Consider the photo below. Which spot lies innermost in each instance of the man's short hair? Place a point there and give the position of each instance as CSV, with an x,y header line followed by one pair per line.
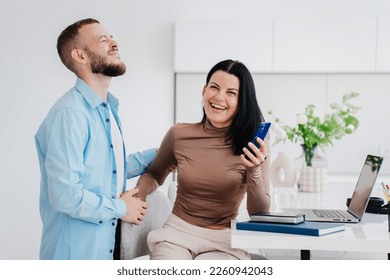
x,y
67,41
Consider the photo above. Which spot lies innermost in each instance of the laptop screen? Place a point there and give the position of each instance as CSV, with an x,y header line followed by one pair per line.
x,y
364,185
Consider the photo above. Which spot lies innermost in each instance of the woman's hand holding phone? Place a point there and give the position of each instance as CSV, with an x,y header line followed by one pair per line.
x,y
255,156
258,150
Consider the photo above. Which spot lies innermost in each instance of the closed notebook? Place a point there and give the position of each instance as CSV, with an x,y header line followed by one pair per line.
x,y
278,217
305,228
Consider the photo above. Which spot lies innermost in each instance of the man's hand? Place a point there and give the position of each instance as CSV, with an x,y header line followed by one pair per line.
x,y
136,208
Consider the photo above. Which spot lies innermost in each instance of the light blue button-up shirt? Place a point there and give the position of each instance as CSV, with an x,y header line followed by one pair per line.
x,y
79,204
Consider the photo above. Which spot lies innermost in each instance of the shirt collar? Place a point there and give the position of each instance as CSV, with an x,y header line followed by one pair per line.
x,y
91,97
112,100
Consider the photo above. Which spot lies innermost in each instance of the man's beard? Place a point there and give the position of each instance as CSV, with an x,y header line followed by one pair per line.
x,y
100,66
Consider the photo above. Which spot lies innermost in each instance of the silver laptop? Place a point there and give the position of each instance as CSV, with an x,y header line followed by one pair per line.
x,y
359,199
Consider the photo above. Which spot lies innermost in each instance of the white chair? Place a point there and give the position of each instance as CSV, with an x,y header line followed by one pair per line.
x,y
133,237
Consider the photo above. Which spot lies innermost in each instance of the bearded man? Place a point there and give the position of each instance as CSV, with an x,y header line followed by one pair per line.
x,y
82,155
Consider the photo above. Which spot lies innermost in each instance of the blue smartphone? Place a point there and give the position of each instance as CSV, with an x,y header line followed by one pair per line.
x,y
262,131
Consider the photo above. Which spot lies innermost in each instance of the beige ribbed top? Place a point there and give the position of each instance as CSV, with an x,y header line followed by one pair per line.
x,y
211,180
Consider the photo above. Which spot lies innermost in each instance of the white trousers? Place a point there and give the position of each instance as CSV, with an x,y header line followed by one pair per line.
x,y
179,240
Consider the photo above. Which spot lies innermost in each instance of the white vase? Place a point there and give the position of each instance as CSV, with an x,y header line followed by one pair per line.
x,y
283,171
312,179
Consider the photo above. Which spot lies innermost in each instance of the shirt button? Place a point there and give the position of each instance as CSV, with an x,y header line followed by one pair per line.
x,y
113,196
107,120
111,251
100,222
111,146
114,171
113,224
104,105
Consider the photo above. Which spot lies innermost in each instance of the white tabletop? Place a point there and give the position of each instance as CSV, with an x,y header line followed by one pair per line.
x,y
371,235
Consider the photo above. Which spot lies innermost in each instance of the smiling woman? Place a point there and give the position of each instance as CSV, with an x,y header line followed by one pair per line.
x,y
213,174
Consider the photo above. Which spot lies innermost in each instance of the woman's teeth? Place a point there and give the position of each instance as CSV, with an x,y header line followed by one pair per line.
x,y
217,106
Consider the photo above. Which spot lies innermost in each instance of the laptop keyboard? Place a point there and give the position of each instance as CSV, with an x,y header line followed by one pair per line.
x,y
330,213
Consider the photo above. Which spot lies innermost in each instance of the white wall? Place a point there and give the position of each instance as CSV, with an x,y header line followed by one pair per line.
x,y
32,78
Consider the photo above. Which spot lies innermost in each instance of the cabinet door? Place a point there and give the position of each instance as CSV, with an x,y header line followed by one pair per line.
x,y
325,45
347,154
188,97
199,44
383,57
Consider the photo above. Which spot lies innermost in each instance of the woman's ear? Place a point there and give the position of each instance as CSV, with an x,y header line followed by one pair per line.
x,y
204,90
79,56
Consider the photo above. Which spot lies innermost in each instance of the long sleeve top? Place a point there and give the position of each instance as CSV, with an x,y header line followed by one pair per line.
x,y
79,204
211,180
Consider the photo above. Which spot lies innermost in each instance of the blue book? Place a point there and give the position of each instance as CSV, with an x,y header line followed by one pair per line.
x,y
305,228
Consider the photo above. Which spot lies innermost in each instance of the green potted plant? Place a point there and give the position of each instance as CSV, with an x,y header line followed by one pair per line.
x,y
313,132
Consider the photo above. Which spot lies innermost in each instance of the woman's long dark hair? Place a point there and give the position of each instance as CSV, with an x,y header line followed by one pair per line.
x,y
249,115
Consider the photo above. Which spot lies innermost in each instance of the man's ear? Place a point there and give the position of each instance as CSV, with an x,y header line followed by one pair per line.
x,y
79,56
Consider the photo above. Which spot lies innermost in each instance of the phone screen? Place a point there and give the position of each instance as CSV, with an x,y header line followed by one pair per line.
x,y
262,131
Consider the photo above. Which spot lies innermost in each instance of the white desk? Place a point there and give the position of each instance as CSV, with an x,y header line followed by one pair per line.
x,y
370,235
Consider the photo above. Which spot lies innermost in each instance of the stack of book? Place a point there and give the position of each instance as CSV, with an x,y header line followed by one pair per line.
x,y
287,223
